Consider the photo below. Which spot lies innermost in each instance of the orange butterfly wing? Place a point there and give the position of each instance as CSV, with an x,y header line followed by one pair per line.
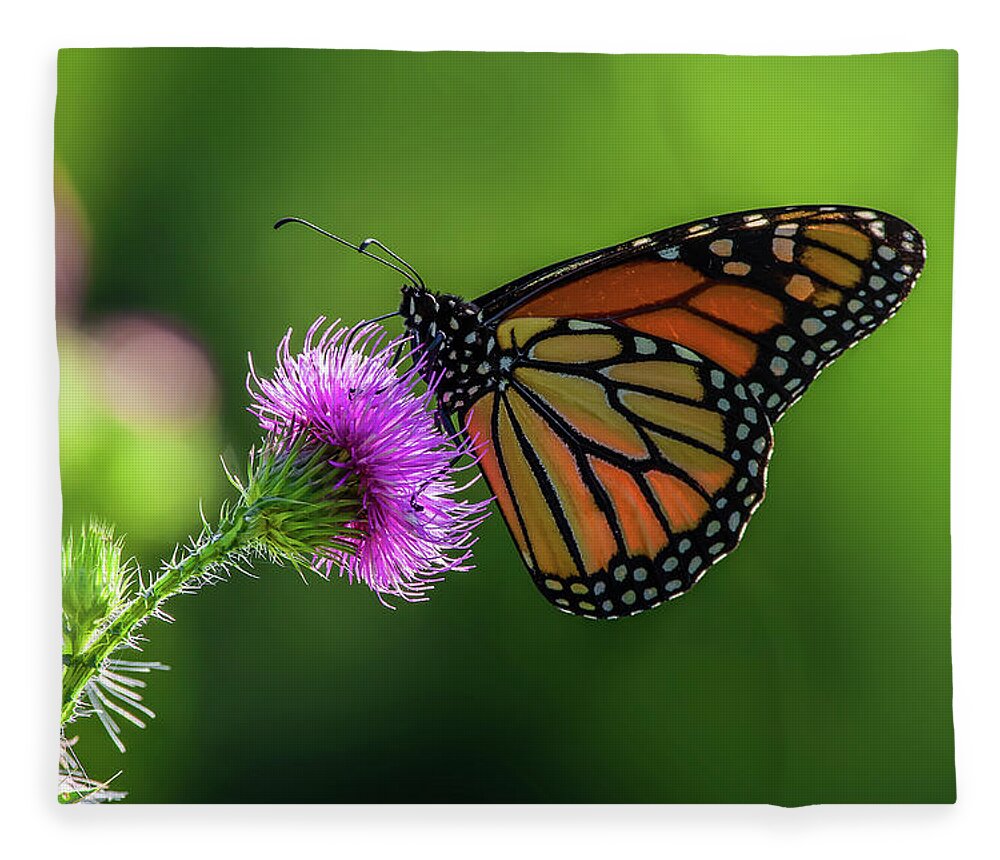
x,y
624,466
631,433
771,296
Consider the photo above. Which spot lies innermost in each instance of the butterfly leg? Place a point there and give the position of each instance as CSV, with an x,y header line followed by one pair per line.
x,y
445,422
398,353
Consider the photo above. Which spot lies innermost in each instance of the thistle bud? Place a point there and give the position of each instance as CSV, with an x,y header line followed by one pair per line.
x,y
95,583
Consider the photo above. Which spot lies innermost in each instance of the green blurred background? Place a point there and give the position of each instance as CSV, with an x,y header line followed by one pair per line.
x,y
811,665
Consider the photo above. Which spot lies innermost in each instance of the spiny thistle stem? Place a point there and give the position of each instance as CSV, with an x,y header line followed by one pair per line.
x,y
299,501
231,535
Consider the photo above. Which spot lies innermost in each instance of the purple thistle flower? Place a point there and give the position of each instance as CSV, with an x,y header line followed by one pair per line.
x,y
344,391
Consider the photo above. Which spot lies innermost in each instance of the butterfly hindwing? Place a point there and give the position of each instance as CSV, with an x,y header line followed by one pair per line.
x,y
771,296
624,465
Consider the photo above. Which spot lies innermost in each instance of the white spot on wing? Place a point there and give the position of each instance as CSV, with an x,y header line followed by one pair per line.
x,y
644,346
585,325
686,353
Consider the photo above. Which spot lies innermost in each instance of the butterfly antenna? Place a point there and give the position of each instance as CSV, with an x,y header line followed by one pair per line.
x,y
408,272
416,275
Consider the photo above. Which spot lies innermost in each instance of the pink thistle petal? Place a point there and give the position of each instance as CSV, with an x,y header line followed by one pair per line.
x,y
343,390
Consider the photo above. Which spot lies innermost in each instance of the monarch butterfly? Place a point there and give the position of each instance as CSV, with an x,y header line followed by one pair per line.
x,y
624,399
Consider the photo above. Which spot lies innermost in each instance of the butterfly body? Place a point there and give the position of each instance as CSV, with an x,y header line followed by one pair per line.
x,y
462,350
625,398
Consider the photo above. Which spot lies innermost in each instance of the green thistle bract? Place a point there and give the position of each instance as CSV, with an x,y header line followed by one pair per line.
x,y
95,583
297,502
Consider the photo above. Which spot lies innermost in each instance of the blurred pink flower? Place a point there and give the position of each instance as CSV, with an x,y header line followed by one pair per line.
x,y
154,373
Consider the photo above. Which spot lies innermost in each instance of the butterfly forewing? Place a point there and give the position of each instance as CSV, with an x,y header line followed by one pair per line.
x,y
771,296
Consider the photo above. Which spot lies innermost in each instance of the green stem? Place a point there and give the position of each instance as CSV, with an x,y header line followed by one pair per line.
x,y
295,503
233,534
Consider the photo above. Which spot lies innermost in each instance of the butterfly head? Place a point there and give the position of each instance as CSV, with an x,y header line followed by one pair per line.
x,y
457,344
